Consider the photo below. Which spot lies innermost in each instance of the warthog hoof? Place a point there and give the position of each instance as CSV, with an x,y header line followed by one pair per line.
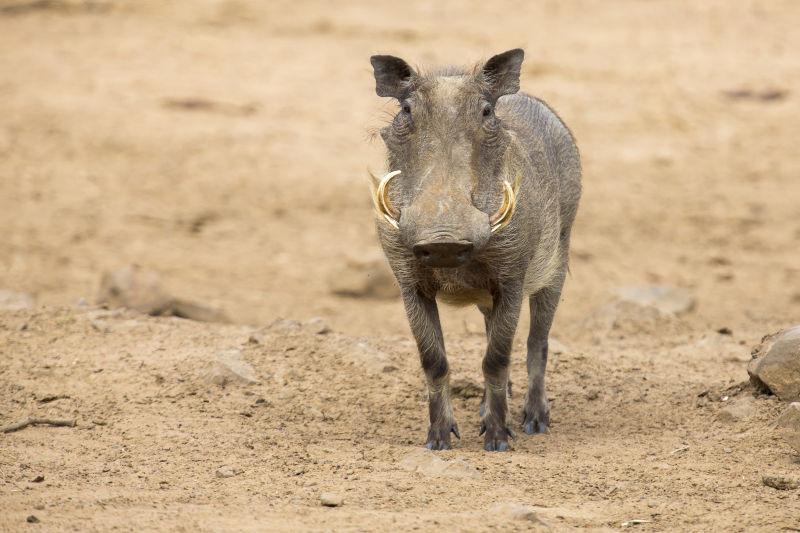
x,y
495,438
439,437
536,420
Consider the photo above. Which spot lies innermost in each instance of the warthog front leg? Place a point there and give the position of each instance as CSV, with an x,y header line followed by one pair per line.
x,y
536,412
501,324
423,316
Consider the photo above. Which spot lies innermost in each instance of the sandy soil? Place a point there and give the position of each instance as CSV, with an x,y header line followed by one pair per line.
x,y
223,144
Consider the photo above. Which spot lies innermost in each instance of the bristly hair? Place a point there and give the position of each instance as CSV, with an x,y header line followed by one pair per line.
x,y
452,70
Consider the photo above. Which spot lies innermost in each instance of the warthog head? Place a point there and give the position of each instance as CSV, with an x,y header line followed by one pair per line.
x,y
449,186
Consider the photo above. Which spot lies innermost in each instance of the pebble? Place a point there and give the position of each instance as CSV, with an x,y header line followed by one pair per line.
x,y
788,425
780,482
427,462
368,277
330,499
15,301
229,367
516,511
227,471
739,409
665,298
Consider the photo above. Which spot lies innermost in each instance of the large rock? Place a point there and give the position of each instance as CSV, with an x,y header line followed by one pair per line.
x,y
788,425
775,366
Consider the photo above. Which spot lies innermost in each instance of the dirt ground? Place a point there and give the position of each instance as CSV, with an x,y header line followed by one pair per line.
x,y
224,144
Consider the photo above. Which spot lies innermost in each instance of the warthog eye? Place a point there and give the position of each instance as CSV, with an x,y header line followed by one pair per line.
x,y
406,108
487,110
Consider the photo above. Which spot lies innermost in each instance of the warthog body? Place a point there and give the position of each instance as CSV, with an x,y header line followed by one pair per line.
x,y
479,213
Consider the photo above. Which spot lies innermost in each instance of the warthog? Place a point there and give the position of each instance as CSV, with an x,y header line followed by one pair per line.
x,y
477,208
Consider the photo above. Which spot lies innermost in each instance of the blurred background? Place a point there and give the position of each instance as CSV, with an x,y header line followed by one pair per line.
x,y
223,145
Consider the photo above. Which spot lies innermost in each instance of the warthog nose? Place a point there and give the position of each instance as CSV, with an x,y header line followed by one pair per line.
x,y
443,254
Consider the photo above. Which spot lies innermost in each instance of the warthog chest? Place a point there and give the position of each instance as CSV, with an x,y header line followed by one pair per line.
x,y
456,288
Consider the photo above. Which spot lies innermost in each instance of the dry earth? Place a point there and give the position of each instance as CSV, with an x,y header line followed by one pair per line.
x,y
223,144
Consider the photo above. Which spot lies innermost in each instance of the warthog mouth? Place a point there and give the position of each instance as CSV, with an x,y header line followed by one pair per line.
x,y
497,221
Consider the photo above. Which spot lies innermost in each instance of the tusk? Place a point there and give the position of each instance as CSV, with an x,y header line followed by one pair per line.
x,y
503,215
382,203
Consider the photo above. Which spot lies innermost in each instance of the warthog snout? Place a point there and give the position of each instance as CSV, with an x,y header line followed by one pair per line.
x,y
443,254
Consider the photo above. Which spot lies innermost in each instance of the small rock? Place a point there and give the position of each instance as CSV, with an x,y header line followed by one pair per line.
x,y
32,519
15,301
667,299
312,413
317,325
516,511
229,367
426,462
788,425
135,288
283,325
37,479
140,289
256,338
330,499
775,366
739,409
364,278
227,471
466,388
780,482
556,347
372,359
622,318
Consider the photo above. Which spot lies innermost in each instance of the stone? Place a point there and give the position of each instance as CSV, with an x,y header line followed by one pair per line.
x,y
775,366
373,360
781,483
788,426
331,499
227,471
368,277
317,325
738,409
15,301
141,289
135,288
665,298
516,511
426,462
229,367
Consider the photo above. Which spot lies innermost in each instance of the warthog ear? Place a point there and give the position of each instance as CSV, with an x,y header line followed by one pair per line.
x,y
501,72
392,76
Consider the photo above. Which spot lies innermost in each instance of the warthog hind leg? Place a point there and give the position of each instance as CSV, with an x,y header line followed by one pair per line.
x,y
536,410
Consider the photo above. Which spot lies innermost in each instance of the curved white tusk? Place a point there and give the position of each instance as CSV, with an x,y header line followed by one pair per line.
x,y
503,215
382,200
